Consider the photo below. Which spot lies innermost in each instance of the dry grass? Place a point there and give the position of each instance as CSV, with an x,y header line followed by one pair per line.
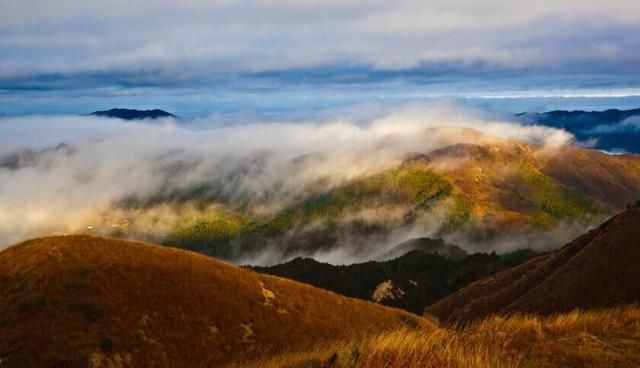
x,y
67,301
605,338
598,269
81,301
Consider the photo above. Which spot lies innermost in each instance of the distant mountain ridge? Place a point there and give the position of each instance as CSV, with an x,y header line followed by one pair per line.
x,y
132,114
579,119
612,129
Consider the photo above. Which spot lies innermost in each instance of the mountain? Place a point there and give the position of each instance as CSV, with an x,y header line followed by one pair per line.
x,y
598,269
609,180
78,301
411,282
613,130
479,193
131,114
483,193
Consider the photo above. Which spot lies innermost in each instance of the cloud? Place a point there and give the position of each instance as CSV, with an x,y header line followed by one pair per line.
x,y
190,40
628,125
267,165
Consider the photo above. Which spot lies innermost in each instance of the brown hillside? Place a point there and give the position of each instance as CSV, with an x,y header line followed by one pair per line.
x,y
612,180
492,170
72,301
598,269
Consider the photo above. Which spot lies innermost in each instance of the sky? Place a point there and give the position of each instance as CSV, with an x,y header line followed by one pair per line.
x,y
200,58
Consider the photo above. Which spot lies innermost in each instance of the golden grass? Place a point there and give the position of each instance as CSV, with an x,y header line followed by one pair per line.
x,y
69,300
603,338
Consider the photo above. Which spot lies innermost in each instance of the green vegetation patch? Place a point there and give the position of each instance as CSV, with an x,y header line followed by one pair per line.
x,y
553,200
212,233
413,186
542,200
458,213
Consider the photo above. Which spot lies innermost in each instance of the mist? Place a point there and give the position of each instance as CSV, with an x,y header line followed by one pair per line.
x,y
256,167
351,248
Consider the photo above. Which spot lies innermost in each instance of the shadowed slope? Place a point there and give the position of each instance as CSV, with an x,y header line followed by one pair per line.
x,y
598,269
77,299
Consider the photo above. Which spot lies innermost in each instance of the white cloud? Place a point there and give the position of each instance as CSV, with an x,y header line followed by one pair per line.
x,y
113,160
75,35
631,124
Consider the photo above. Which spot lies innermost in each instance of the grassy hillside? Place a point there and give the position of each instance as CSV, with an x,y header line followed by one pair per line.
x,y
365,207
211,233
598,339
500,187
369,206
481,191
79,301
485,191
598,269
611,180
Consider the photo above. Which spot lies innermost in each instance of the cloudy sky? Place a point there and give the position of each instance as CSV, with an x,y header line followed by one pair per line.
x,y
126,49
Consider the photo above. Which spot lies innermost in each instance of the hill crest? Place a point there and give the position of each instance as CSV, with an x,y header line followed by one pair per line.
x,y
69,300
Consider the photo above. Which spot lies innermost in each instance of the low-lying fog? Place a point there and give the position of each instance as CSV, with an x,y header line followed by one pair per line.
x,y
59,172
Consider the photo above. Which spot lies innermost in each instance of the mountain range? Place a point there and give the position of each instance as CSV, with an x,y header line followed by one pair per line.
x,y
478,191
483,192
611,130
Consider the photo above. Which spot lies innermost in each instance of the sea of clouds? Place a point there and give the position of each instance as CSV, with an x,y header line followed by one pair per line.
x,y
58,172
